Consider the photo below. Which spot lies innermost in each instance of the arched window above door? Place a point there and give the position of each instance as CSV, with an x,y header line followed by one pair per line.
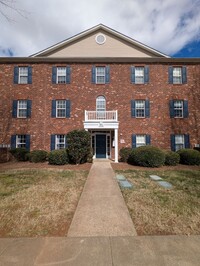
x,y
101,104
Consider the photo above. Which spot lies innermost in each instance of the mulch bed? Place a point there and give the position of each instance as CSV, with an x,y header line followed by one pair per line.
x,y
28,165
125,166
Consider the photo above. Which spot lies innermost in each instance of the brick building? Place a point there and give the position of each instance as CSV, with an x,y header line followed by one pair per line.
x,y
123,92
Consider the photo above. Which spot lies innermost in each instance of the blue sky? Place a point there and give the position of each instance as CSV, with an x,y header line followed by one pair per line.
x,y
171,27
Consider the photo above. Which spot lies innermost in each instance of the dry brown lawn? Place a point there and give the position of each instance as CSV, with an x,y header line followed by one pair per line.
x,y
159,211
38,202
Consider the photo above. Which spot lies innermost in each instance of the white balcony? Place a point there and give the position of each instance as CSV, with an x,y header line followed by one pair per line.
x,y
104,116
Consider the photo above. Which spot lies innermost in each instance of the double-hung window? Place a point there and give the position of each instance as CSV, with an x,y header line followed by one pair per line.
x,y
23,75
60,142
139,75
100,74
140,108
179,109
61,108
20,141
61,75
180,141
140,140
177,75
22,109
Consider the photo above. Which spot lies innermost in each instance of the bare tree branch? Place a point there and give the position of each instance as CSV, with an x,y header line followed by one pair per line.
x,y
7,5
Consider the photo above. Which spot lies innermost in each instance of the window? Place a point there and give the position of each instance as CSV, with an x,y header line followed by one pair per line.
x,y
61,75
61,108
20,141
178,108
23,75
180,141
100,74
140,74
22,108
101,107
140,140
140,108
58,142
177,75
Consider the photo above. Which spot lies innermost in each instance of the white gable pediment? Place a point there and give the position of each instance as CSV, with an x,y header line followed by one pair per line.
x,y
100,41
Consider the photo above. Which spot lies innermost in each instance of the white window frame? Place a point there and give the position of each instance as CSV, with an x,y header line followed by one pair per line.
x,y
100,73
140,143
101,107
139,75
179,142
60,139
177,75
21,106
58,102
23,75
20,141
178,108
61,72
139,108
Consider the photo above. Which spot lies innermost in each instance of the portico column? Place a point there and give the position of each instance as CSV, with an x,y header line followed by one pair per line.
x,y
116,145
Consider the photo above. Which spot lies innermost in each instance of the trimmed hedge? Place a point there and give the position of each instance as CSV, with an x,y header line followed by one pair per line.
x,y
20,154
189,157
147,156
124,154
79,142
37,156
172,158
58,157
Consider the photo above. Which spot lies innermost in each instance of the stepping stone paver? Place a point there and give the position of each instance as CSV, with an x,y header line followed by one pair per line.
x,y
165,184
125,184
155,177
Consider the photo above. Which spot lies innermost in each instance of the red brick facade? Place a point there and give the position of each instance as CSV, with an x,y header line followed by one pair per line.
x,y
82,93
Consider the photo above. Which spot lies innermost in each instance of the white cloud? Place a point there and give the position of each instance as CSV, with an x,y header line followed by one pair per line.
x,y
165,25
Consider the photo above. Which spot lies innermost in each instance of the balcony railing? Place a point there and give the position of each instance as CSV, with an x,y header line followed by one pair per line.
x,y
101,116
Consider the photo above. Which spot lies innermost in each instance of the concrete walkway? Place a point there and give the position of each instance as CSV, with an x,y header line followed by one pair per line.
x,y
101,210
101,251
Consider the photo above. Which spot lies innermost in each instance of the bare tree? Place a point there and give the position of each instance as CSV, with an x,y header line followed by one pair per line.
x,y
10,5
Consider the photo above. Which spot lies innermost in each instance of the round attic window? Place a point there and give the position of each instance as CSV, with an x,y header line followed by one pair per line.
x,y
100,38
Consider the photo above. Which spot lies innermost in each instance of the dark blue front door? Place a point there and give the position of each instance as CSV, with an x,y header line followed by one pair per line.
x,y
100,146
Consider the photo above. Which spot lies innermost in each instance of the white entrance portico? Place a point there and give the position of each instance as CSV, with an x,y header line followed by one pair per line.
x,y
103,126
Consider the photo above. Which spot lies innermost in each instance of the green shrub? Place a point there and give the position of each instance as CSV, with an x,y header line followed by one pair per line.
x,y
58,157
147,156
189,156
172,158
124,154
37,156
20,154
79,146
